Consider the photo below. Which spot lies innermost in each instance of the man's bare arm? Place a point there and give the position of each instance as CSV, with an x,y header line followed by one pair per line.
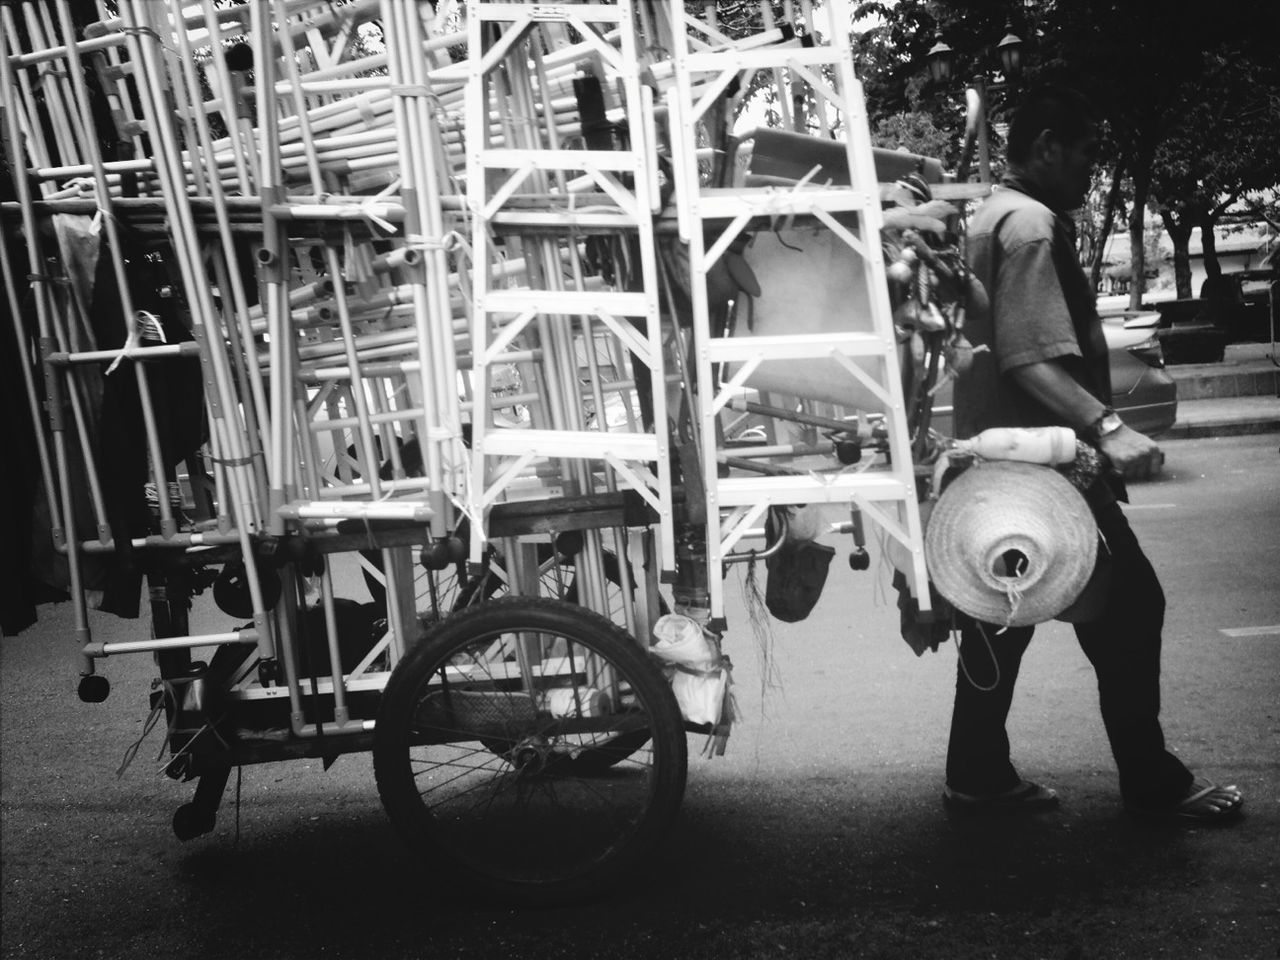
x,y
1133,454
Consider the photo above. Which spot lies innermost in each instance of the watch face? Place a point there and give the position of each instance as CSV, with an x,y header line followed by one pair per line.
x,y
1110,424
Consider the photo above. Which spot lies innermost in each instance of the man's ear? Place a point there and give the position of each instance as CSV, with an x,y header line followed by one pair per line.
x,y
1045,145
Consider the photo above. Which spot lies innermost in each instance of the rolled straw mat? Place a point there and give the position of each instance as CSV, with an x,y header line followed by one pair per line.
x,y
1010,543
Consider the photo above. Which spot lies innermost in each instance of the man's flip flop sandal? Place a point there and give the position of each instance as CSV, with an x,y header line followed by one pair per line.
x,y
1025,796
1205,802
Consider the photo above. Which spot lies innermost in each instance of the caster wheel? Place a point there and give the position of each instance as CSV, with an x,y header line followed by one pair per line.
x,y
268,672
94,688
860,560
189,822
848,452
569,543
436,555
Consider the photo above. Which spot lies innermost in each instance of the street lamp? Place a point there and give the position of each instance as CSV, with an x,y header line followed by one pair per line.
x,y
940,59
1010,50
941,62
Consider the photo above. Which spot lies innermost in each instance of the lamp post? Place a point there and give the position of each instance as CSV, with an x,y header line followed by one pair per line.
x,y
941,62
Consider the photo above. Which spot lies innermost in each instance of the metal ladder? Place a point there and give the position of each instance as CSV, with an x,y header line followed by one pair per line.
x,y
705,63
538,187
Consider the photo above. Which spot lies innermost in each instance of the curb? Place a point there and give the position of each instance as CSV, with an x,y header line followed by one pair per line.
x,y
1223,428
1227,382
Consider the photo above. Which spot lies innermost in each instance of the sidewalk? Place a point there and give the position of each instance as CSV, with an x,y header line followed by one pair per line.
x,y
1239,395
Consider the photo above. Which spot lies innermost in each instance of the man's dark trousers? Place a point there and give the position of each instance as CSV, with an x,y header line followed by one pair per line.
x,y
1123,644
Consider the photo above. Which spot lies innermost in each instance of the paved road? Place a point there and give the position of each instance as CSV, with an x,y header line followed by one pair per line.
x,y
819,834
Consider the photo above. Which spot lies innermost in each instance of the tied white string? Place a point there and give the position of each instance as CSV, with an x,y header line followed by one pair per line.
x,y
828,479
142,325
447,242
86,188
1014,594
779,201
368,207
466,507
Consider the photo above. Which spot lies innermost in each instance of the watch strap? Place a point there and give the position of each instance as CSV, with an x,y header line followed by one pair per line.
x,y
1100,427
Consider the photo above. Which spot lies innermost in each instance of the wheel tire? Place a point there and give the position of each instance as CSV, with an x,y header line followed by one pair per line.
x,y
548,830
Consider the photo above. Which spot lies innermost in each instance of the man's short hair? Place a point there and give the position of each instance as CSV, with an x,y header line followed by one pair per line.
x,y
1061,110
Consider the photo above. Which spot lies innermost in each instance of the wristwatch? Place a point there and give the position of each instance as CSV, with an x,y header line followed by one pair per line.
x,y
1107,422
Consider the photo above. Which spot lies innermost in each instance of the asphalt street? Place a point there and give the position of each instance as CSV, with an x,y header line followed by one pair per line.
x,y
819,834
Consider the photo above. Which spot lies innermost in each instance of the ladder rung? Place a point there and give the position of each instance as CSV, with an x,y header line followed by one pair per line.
x,y
613,302
510,12
838,488
576,444
798,347
762,58
414,510
514,159
564,220
725,202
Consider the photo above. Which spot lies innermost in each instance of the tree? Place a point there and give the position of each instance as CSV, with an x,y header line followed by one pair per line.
x,y
1139,63
914,132
1223,152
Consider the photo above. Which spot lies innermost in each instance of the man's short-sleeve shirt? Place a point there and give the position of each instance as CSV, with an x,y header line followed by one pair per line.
x,y
1042,307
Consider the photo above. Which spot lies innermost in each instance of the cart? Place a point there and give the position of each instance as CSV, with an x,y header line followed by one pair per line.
x,y
448,299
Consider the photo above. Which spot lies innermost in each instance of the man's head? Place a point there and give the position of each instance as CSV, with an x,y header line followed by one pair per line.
x,y
1052,141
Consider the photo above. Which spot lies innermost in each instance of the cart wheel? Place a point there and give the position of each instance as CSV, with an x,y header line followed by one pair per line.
x,y
477,736
189,822
93,688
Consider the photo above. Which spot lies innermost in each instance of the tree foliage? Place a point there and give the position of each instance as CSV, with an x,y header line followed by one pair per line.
x,y
1218,157
914,132
1188,106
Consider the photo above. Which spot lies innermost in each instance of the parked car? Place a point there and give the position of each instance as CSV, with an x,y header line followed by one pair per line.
x,y
1192,330
1143,392
1245,297
1232,307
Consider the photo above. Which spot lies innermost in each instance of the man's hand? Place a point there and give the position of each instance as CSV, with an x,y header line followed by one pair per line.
x,y
1133,455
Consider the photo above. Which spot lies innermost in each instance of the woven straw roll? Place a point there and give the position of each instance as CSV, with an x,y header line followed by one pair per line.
x,y
1000,506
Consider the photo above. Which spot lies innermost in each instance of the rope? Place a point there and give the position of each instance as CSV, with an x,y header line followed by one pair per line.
x,y
990,652
235,461
761,629
132,750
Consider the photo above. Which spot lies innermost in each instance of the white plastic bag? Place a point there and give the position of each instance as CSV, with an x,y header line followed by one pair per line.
x,y
698,677
680,640
700,695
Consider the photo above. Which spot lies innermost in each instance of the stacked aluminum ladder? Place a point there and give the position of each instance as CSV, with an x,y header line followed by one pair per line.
x,y
589,349
711,218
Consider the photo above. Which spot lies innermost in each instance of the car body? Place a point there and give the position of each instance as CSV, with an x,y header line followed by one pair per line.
x,y
1232,307
1192,330
1248,301
1142,391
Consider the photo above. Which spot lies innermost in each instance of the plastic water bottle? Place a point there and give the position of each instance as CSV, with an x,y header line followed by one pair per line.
x,y
574,702
1047,445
